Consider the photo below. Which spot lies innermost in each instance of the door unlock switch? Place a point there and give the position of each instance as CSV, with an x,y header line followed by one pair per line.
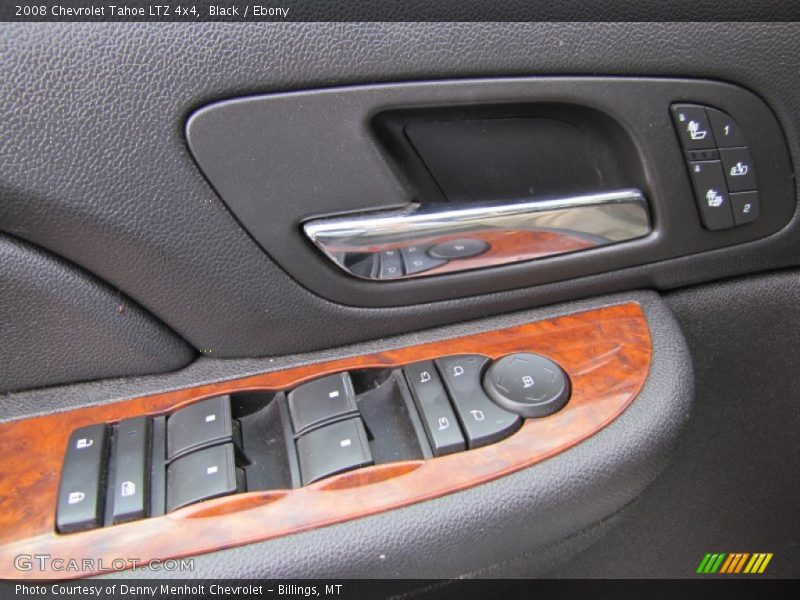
x,y
80,498
199,425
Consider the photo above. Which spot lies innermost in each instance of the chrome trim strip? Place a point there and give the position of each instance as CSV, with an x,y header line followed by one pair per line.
x,y
362,245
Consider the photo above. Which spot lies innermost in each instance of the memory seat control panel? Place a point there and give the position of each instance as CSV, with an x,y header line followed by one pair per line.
x,y
257,440
720,166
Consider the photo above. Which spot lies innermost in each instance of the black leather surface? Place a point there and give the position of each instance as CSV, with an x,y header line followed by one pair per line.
x,y
732,485
59,325
95,167
475,531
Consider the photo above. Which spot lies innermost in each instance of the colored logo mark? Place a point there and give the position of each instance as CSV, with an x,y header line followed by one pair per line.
x,y
734,562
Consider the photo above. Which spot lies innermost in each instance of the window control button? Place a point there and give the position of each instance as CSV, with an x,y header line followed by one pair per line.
x,y
484,422
693,126
745,207
199,425
739,172
320,400
201,475
726,131
438,418
80,495
131,469
711,194
333,449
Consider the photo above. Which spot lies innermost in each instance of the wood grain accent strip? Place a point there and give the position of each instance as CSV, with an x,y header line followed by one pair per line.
x,y
606,353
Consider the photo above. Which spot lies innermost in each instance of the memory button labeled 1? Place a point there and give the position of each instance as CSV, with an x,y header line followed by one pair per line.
x,y
441,424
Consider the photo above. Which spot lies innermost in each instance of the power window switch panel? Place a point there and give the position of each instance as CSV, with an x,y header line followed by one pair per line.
x,y
438,417
131,469
711,194
333,449
199,425
80,495
320,400
201,475
484,422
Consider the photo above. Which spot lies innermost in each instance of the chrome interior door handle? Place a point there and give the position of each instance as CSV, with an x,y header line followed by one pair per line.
x,y
427,240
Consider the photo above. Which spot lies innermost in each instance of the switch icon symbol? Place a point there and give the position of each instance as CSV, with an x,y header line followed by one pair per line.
x,y
211,418
128,488
75,497
444,423
83,443
424,377
527,381
458,370
477,415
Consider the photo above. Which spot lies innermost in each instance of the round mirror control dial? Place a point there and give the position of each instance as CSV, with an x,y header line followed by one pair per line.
x,y
527,384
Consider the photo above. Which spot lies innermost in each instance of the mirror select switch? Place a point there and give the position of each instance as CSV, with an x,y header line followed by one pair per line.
x,y
199,425
333,449
484,422
80,494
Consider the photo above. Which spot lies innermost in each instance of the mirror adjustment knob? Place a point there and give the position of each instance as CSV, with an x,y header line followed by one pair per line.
x,y
527,384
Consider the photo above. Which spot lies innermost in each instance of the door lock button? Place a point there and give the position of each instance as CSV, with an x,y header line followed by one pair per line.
x,y
80,493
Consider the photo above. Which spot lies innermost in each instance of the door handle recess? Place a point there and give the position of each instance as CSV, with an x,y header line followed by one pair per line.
x,y
424,240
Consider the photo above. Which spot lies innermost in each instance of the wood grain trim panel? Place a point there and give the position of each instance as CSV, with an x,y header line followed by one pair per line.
x,y
606,353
